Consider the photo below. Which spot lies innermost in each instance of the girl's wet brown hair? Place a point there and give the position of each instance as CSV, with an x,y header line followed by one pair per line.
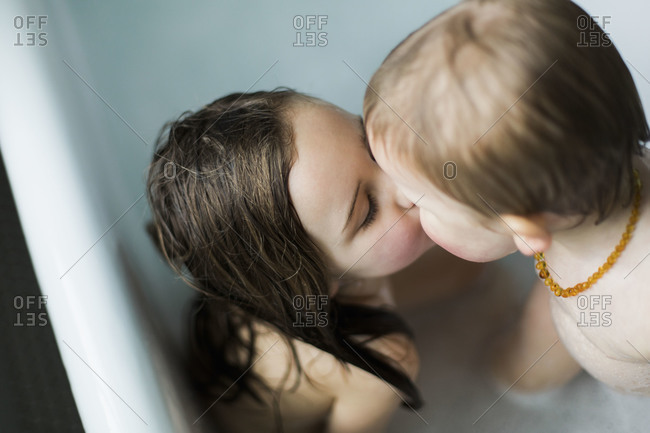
x,y
224,221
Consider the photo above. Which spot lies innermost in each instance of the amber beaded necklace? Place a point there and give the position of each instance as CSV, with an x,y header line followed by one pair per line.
x,y
581,287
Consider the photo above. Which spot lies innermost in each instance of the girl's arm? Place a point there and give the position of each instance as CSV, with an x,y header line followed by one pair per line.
x,y
361,401
364,402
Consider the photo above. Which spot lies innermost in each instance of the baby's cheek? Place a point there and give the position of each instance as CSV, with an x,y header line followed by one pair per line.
x,y
426,220
433,229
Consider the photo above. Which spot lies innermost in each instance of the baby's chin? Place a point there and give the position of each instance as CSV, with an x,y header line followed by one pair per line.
x,y
476,255
468,252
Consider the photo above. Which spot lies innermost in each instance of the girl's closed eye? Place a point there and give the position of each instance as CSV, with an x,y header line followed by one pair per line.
x,y
373,208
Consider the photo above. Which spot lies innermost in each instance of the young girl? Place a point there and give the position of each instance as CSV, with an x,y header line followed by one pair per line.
x,y
271,206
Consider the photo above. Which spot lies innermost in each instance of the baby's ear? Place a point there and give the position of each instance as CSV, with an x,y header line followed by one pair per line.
x,y
531,233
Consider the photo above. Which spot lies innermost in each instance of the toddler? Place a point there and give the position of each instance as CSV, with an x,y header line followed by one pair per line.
x,y
512,127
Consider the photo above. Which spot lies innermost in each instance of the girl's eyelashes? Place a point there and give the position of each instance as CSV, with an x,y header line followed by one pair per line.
x,y
372,212
367,144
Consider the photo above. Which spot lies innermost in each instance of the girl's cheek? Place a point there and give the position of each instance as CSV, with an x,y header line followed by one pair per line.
x,y
400,246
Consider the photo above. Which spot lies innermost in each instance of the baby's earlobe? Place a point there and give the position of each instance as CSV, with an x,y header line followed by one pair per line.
x,y
530,233
529,246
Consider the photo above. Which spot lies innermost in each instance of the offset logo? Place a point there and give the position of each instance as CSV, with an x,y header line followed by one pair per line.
x,y
593,311
30,310
590,35
449,170
309,30
311,310
30,30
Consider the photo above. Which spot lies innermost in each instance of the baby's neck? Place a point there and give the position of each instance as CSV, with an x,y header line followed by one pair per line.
x,y
576,253
589,238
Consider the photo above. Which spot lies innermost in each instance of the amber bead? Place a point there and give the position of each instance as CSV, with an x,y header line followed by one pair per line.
x,y
611,259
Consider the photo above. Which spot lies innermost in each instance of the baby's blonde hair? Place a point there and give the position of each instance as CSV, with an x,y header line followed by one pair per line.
x,y
527,101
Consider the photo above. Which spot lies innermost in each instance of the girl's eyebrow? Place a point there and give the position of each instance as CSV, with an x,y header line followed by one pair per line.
x,y
352,205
